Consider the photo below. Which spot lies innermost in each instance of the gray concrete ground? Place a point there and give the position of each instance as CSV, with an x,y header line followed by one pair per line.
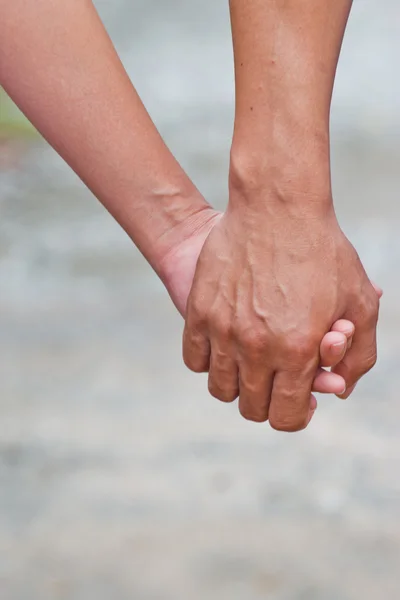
x,y
119,477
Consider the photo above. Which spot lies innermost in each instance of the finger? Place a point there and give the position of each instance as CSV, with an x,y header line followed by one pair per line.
x,y
196,350
347,393
363,354
344,327
290,400
255,385
329,383
223,377
333,348
378,289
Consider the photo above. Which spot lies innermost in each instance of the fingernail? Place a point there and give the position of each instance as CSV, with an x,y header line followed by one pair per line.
x,y
338,348
349,343
345,394
349,391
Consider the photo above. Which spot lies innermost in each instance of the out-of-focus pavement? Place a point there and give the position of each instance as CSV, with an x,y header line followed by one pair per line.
x,y
119,477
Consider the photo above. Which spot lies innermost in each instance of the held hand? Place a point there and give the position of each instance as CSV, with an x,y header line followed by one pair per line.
x,y
264,295
178,271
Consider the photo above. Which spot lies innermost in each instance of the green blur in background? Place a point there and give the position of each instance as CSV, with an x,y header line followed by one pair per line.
x,y
12,121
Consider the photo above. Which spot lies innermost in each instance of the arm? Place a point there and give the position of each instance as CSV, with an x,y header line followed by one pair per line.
x,y
277,271
286,53
59,65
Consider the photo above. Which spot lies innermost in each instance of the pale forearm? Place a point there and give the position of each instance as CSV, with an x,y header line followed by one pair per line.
x,y
286,53
59,65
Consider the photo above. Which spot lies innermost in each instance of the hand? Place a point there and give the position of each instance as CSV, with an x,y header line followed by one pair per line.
x,y
266,291
178,269
343,365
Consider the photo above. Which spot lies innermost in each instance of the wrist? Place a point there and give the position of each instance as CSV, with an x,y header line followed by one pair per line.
x,y
184,216
280,175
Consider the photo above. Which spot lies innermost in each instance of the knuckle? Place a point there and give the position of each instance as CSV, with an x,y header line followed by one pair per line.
x,y
250,415
289,413
196,309
302,347
222,326
253,340
200,319
287,425
196,364
226,395
195,367
370,362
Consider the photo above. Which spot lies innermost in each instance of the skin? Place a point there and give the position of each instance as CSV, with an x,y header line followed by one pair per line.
x,y
59,66
277,272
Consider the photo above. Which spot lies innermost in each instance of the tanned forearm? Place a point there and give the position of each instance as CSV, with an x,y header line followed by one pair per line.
x,y
277,271
59,65
286,54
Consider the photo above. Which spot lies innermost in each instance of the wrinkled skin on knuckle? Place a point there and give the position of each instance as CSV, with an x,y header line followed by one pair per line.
x,y
287,425
195,364
286,414
221,383
250,415
226,395
221,326
196,308
251,391
198,316
253,341
301,351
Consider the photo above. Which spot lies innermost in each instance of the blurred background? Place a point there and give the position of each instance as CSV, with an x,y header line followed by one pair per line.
x,y
119,476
